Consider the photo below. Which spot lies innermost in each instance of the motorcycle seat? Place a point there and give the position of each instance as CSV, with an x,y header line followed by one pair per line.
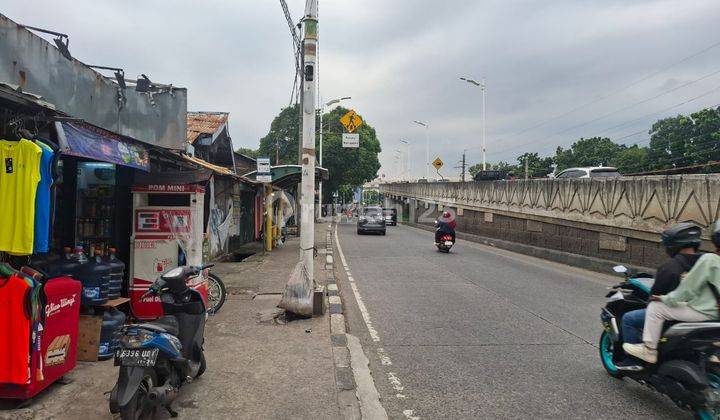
x,y
676,328
168,324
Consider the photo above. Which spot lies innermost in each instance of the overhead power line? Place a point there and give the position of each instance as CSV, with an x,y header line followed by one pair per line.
x,y
614,92
625,123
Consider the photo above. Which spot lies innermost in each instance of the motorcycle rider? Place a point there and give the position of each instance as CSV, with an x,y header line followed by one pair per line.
x,y
445,226
681,242
693,301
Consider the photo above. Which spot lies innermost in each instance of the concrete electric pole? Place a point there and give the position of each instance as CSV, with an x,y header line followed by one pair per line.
x,y
309,70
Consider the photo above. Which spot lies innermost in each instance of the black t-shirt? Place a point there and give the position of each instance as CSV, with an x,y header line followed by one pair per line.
x,y
668,275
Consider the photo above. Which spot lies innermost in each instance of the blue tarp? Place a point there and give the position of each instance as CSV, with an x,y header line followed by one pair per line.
x,y
90,142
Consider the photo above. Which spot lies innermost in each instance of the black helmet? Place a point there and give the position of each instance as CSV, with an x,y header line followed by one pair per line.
x,y
715,233
679,236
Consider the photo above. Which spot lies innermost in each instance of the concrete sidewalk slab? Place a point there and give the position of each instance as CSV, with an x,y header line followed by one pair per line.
x,y
257,368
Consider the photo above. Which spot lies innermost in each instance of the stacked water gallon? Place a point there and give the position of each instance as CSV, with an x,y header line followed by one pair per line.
x,y
112,320
117,271
94,275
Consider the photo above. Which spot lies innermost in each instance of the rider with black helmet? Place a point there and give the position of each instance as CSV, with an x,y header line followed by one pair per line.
x,y
681,242
695,300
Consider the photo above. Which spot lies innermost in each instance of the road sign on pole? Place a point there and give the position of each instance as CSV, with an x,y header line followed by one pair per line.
x,y
437,163
351,121
351,140
264,174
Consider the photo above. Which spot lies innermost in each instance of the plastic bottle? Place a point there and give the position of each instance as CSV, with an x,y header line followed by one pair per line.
x,y
112,320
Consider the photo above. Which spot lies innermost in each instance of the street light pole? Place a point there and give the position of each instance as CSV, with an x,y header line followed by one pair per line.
x,y
480,84
322,111
407,166
427,147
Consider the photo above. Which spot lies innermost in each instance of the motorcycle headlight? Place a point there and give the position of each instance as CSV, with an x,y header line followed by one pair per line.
x,y
136,339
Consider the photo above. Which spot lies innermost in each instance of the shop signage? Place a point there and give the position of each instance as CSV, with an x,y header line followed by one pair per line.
x,y
90,142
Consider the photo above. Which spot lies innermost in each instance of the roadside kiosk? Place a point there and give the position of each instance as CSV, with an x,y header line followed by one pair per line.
x,y
167,232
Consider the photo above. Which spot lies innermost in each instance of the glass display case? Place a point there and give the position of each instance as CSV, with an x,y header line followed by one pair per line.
x,y
95,208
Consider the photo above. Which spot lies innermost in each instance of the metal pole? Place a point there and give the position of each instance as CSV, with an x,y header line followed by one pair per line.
x,y
483,124
307,222
320,198
427,152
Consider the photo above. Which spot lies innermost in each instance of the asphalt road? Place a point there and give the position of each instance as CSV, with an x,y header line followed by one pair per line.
x,y
481,332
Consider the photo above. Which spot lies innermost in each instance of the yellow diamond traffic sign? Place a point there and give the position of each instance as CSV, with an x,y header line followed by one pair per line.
x,y
437,163
351,121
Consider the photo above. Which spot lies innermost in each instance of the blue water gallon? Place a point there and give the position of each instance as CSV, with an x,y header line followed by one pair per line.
x,y
117,272
94,275
112,320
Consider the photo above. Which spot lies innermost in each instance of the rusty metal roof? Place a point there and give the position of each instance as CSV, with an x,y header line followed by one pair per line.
x,y
199,123
220,170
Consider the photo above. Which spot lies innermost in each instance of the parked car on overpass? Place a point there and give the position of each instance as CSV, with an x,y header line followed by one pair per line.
x,y
589,172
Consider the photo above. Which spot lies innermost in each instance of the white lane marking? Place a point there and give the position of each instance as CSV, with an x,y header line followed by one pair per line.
x,y
410,415
365,314
384,358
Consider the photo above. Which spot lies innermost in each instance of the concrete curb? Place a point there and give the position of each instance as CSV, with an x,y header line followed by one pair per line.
x,y
575,260
344,376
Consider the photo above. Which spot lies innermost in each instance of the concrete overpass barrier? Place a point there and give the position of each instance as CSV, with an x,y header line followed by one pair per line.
x,y
615,219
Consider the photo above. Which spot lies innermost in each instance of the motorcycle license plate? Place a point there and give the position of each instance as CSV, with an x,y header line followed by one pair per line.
x,y
448,243
136,357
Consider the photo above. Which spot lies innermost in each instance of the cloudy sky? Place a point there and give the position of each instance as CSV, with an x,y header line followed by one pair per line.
x,y
618,65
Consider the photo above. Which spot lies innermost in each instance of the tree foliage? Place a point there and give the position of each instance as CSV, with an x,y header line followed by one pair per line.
x,y
348,168
283,134
675,142
247,152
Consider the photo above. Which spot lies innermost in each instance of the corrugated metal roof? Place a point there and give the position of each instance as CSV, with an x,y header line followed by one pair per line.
x,y
199,123
220,170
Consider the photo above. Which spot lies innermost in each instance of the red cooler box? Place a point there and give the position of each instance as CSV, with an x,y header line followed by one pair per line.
x,y
58,345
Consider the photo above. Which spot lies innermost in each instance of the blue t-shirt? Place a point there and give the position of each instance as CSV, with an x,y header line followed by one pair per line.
x,y
42,201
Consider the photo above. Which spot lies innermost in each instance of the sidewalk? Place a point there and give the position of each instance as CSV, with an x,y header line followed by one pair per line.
x,y
257,368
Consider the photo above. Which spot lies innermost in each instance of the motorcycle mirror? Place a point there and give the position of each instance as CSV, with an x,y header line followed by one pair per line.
x,y
620,269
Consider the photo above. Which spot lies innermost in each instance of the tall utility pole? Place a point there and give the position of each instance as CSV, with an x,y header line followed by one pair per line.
x,y
309,70
481,84
427,147
463,165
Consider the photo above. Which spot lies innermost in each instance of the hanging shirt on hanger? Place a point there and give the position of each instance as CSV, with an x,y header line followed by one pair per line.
x,y
19,177
14,330
42,200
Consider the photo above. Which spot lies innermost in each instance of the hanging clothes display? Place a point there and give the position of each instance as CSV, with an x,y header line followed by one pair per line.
x,y
43,200
19,178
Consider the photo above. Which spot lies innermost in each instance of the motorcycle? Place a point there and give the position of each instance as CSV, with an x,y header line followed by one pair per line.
x,y
686,371
444,242
156,358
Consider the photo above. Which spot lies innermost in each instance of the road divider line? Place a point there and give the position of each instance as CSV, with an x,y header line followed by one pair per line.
x,y
395,382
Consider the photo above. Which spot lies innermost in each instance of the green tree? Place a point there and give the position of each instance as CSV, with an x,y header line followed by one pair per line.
x,y
669,141
283,134
704,146
631,160
537,167
247,152
499,166
348,167
593,151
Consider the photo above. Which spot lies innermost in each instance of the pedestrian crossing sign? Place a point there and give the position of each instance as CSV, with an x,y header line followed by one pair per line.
x,y
437,163
351,121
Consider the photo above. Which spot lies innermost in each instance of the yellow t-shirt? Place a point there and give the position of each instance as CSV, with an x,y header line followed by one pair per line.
x,y
19,176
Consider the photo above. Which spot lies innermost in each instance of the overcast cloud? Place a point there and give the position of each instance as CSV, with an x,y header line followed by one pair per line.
x,y
400,61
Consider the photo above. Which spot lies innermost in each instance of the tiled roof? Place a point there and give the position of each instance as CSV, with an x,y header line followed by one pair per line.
x,y
199,123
